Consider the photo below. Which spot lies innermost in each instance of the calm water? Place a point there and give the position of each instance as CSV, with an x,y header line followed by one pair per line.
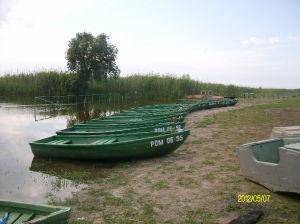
x,y
24,177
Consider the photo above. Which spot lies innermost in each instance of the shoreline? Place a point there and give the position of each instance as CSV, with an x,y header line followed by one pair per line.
x,y
199,182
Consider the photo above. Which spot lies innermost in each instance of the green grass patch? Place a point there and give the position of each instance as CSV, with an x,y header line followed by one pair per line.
x,y
161,185
207,162
209,176
99,192
205,123
185,181
233,169
57,201
148,209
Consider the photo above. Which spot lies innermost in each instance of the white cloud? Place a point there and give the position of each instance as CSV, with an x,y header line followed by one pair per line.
x,y
29,36
294,38
254,40
203,47
272,40
180,59
45,11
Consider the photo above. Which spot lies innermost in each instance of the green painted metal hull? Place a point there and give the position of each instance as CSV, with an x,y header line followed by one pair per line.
x,y
135,145
133,121
148,114
182,107
118,129
26,213
143,116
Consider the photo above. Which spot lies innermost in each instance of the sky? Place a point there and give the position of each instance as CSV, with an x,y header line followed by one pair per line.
x,y
252,43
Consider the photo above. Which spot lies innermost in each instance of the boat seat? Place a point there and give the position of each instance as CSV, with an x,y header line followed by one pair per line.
x,y
293,146
104,141
59,142
24,217
136,119
291,140
19,218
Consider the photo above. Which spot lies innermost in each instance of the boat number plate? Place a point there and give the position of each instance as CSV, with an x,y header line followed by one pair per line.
x,y
170,140
167,129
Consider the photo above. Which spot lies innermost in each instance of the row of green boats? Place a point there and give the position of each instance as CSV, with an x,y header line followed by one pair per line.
x,y
136,133
142,132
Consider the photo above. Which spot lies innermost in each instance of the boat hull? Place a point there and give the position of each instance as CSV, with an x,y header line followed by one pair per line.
x,y
159,145
273,163
92,130
145,117
132,122
26,213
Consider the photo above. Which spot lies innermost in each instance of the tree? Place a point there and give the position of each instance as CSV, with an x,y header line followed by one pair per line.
x,y
92,57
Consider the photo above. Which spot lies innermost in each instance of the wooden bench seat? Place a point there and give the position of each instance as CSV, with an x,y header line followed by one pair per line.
x,y
24,217
104,141
59,142
18,218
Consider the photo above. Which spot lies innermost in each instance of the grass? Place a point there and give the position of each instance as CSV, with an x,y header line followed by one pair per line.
x,y
201,141
209,176
57,201
206,122
160,185
185,181
118,199
207,162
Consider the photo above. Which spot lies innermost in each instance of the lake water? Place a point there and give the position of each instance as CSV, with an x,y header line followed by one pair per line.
x,y
24,177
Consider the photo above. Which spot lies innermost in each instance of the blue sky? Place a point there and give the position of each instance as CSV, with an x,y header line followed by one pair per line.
x,y
247,43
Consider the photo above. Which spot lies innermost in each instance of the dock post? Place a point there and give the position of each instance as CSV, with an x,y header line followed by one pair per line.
x,y
35,108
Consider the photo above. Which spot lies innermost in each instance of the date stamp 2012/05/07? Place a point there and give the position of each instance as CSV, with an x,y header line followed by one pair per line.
x,y
253,198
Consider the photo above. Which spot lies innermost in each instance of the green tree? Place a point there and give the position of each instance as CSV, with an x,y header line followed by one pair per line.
x,y
92,58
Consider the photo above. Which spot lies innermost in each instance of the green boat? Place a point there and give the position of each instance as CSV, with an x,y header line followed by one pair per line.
x,y
26,213
144,116
116,146
116,125
133,121
118,129
164,107
131,113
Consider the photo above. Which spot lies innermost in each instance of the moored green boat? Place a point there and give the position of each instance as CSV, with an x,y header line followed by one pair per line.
x,y
134,121
149,114
116,146
118,129
27,213
144,116
182,107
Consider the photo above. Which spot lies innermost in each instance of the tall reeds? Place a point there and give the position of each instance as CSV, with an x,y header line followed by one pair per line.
x,y
148,86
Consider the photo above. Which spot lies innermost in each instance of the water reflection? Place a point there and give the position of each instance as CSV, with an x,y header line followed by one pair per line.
x,y
75,170
28,178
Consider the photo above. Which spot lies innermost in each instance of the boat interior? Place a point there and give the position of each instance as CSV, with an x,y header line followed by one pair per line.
x,y
268,150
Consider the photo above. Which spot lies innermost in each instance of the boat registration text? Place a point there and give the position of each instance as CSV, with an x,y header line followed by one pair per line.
x,y
170,140
168,128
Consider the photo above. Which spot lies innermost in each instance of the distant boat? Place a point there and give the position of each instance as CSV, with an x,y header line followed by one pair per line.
x,y
132,122
273,163
284,131
118,129
27,213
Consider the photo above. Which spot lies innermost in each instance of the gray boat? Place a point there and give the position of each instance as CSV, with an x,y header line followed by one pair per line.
x,y
273,163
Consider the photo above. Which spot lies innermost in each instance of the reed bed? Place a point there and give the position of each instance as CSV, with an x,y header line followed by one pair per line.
x,y
145,86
